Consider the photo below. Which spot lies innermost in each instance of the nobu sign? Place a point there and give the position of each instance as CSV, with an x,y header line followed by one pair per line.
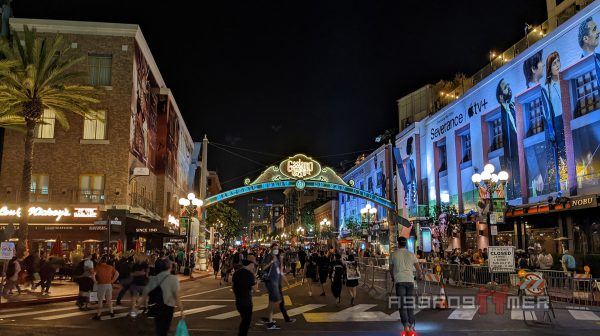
x,y
584,202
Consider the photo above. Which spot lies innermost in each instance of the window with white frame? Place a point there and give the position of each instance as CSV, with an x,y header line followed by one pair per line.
x,y
91,188
534,122
465,140
586,93
45,129
39,184
100,69
495,130
94,126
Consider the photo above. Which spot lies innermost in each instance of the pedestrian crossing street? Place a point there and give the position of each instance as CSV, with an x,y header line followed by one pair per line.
x,y
312,313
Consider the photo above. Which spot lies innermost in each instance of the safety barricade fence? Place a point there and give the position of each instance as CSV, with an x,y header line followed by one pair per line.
x,y
565,290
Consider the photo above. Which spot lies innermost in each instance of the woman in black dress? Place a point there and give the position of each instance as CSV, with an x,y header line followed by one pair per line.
x,y
310,271
338,275
352,276
323,270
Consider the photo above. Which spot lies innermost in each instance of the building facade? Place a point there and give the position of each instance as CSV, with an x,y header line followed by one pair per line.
x,y
374,173
88,170
537,118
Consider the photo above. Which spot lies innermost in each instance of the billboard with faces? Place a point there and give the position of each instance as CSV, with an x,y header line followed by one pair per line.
x,y
532,83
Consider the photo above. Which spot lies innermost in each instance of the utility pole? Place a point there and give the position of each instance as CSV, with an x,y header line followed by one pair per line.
x,y
202,217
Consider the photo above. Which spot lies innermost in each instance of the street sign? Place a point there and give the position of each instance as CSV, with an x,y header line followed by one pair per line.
x,y
493,218
141,171
115,222
500,217
100,222
501,258
494,230
7,250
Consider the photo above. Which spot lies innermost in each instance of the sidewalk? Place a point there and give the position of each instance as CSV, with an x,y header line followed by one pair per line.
x,y
65,290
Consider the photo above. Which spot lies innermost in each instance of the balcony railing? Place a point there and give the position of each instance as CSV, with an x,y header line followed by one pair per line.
x,y
90,196
39,196
138,200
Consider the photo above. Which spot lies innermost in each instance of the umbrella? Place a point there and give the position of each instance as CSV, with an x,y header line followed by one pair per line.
x,y
561,238
57,247
119,246
91,241
137,246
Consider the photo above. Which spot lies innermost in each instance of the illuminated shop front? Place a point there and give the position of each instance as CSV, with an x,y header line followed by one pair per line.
x,y
538,118
74,226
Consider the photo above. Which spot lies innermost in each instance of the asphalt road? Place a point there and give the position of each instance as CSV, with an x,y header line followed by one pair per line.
x,y
210,310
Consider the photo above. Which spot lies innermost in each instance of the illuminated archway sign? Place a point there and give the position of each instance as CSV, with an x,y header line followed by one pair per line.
x,y
302,172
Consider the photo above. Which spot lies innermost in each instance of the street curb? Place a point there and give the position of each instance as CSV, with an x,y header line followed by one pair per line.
x,y
19,304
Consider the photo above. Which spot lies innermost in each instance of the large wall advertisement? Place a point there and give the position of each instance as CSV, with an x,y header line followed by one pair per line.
x,y
521,109
144,112
158,137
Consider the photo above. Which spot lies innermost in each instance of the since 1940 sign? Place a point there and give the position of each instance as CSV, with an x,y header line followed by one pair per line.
x,y
501,258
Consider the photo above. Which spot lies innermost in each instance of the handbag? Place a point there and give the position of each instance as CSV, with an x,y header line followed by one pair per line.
x,y
93,297
266,276
182,329
22,277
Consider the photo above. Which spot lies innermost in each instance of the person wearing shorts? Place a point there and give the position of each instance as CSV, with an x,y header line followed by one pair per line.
x,y
139,274
106,275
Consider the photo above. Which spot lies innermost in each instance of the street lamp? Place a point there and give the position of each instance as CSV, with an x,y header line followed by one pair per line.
x,y
489,183
190,206
368,211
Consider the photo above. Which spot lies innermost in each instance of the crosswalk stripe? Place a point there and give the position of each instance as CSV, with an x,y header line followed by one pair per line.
x,y
79,313
300,310
463,313
517,314
15,309
347,313
260,303
198,310
584,315
176,314
36,312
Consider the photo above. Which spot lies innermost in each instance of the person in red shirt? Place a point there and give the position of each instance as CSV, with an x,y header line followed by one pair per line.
x,y
106,275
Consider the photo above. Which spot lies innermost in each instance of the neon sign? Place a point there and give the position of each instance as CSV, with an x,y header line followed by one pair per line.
x,y
49,212
300,166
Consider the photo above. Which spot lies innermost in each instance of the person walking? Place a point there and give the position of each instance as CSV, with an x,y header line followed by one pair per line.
x,y
216,263
274,273
106,275
352,276
47,270
12,276
243,281
337,274
310,272
124,269
139,278
171,297
402,263
323,270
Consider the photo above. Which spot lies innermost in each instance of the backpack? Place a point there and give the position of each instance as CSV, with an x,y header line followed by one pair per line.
x,y
10,271
155,300
79,268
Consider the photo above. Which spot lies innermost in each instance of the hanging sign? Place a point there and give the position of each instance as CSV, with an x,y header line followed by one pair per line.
x,y
7,250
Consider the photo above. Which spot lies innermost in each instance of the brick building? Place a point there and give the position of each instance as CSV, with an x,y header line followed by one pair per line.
x,y
88,170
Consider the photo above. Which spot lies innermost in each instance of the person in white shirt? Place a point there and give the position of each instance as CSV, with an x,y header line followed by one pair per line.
x,y
402,263
545,260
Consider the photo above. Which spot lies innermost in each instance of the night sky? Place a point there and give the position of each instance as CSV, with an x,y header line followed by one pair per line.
x,y
319,77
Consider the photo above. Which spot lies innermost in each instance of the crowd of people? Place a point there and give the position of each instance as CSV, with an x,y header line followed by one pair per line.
x,y
248,267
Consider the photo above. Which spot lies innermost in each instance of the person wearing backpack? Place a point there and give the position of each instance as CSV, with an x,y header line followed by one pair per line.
x,y
12,275
163,296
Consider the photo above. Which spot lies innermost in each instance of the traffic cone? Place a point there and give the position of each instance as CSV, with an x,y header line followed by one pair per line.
x,y
444,303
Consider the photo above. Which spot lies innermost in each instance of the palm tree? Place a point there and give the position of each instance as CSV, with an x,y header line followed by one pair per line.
x,y
40,79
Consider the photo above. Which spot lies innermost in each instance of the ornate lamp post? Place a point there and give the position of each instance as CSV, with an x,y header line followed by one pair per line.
x,y
368,211
191,207
489,183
